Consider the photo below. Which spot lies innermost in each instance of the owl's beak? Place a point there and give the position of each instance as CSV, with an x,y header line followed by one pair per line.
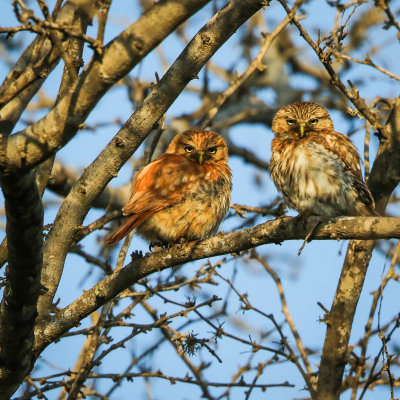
x,y
302,129
200,155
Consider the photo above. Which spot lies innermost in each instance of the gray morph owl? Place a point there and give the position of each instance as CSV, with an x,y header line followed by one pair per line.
x,y
315,168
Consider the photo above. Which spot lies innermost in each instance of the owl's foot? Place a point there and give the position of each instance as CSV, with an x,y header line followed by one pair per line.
x,y
137,254
302,218
157,246
280,211
180,242
307,239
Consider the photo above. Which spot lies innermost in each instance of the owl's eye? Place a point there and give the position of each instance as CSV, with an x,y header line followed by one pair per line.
x,y
189,149
290,121
212,150
314,121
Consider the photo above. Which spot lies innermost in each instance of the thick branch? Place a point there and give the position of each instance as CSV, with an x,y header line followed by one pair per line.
x,y
62,179
93,181
24,212
385,173
275,231
42,139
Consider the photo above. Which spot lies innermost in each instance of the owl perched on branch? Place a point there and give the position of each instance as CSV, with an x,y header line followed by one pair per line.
x,y
317,169
184,194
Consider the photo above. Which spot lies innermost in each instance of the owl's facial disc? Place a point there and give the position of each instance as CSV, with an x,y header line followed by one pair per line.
x,y
301,119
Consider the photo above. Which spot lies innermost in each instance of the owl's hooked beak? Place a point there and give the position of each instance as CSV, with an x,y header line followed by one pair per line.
x,y
200,155
302,125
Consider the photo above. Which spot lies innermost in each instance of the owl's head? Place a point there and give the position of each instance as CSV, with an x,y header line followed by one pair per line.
x,y
301,118
203,147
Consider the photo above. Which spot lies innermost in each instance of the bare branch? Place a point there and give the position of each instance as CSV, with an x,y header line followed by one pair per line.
x,y
270,232
62,179
28,74
325,58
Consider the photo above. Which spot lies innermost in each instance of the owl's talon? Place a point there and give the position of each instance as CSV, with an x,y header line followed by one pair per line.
x,y
280,211
307,239
137,254
302,218
153,245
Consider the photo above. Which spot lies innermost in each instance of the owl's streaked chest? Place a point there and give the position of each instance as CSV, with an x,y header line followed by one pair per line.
x,y
309,176
305,161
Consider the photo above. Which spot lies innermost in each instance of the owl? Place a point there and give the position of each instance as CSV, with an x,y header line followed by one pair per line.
x,y
184,194
317,169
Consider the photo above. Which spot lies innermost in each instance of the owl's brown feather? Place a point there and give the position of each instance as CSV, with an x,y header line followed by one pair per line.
x,y
181,194
317,169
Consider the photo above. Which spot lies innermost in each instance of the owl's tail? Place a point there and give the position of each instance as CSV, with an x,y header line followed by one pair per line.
x,y
127,226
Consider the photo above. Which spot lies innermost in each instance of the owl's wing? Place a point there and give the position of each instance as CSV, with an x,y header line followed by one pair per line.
x,y
162,183
342,146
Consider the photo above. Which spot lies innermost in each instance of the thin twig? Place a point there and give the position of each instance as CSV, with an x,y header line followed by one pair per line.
x,y
256,65
367,61
287,314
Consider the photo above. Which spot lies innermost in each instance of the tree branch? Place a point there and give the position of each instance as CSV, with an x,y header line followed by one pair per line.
x,y
24,212
325,58
256,65
275,231
62,179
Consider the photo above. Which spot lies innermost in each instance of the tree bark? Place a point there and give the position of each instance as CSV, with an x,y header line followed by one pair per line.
x,y
24,212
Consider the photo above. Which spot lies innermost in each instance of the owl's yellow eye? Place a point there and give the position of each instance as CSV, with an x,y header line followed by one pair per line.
x,y
314,121
212,150
189,149
290,121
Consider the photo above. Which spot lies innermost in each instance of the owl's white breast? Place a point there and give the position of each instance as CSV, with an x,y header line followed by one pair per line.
x,y
312,178
316,171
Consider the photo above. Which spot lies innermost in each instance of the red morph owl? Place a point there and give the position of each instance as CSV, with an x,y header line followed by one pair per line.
x,y
184,194
317,169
